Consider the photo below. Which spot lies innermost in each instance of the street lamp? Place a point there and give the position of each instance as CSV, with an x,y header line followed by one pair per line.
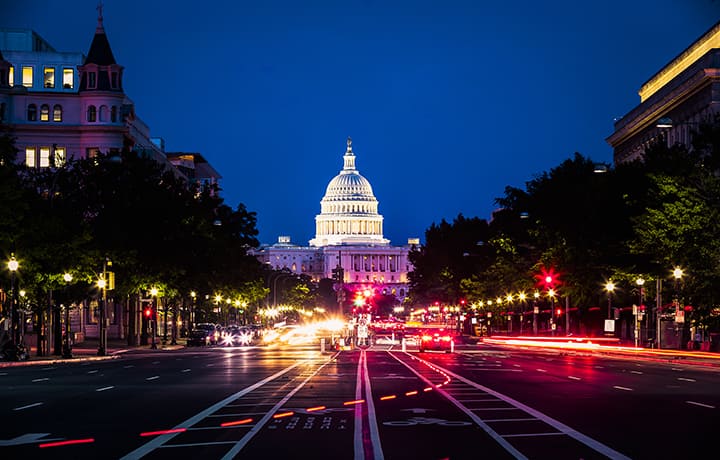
x,y
102,339
153,325
67,347
640,282
551,294
536,310
13,266
193,295
609,287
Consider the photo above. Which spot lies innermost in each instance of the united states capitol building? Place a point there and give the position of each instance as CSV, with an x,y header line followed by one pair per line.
x,y
348,235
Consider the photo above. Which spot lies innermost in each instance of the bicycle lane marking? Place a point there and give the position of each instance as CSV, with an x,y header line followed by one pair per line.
x,y
561,427
162,439
366,428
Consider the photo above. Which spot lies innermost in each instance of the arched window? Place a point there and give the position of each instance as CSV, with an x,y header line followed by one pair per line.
x,y
91,114
103,113
57,112
44,112
32,112
113,114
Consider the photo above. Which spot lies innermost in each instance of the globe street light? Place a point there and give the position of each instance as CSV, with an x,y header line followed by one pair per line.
x,y
102,339
153,324
67,347
640,282
13,266
609,287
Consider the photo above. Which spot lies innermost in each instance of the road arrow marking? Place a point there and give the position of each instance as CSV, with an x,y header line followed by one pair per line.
x,y
27,438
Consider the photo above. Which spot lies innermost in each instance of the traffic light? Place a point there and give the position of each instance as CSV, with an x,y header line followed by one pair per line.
x,y
148,312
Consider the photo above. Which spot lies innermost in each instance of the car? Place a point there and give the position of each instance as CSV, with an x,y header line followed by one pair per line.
x,y
234,336
438,339
212,331
199,337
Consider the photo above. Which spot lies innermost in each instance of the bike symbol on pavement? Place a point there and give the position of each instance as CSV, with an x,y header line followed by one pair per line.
x,y
426,421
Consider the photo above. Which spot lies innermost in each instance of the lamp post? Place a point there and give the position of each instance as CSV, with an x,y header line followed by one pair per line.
x,y
536,310
609,287
640,282
102,339
67,348
551,294
13,266
153,325
193,295
677,274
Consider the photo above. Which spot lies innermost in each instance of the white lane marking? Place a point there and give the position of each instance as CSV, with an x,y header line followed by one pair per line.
x,y
105,388
40,380
185,370
541,370
47,368
573,377
588,441
155,362
128,366
28,406
686,379
701,404
3,373
372,419
636,372
622,388
92,372
158,442
153,377
358,447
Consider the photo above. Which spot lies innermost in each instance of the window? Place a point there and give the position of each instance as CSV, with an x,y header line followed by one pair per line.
x,y
44,157
44,112
2,111
92,80
11,76
27,76
113,114
91,114
30,157
60,157
68,78
103,113
113,80
49,77
32,112
92,152
57,112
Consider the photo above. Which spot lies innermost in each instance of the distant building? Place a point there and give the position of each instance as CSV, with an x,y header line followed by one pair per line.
x,y
674,101
348,235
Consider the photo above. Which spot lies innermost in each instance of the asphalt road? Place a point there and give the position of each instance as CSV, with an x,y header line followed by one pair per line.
x,y
265,403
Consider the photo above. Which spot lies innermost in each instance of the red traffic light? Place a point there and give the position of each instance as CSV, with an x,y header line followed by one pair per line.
x,y
148,312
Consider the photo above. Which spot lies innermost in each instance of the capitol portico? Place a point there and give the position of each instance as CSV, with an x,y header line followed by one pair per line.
x,y
348,235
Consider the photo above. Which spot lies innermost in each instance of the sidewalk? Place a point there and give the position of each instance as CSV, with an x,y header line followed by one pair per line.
x,y
88,351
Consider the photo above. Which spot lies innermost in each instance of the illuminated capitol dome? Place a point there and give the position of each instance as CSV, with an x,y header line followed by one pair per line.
x,y
349,210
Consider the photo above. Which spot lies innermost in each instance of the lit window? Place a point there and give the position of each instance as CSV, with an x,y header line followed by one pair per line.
x,y
91,114
60,157
92,80
44,112
49,77
57,113
92,152
32,112
30,157
11,76
68,78
44,157
27,76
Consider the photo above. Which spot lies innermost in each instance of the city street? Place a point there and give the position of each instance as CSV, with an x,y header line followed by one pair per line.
x,y
489,401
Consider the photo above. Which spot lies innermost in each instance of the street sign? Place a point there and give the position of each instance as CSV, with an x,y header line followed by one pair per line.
x,y
680,316
362,331
609,325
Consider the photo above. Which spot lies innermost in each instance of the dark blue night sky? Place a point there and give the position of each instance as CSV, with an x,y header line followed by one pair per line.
x,y
447,101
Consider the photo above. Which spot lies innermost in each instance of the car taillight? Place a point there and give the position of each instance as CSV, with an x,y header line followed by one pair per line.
x,y
446,338
426,338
